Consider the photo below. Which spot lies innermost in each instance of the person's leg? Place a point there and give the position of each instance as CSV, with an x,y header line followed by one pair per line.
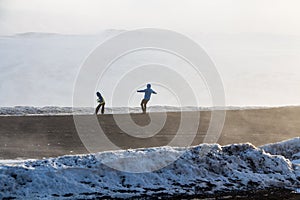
x,y
142,105
102,109
97,109
145,105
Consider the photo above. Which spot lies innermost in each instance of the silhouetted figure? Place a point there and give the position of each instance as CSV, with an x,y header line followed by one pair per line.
x,y
101,102
148,91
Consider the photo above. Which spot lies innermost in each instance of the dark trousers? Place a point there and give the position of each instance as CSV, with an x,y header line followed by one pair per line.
x,y
144,104
102,109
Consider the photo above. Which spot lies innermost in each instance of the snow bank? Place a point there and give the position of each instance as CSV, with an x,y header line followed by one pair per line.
x,y
53,110
288,148
201,170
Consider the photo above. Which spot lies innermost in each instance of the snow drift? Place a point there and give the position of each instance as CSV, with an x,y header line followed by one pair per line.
x,y
201,170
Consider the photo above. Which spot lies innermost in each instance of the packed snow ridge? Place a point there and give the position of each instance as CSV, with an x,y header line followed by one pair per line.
x,y
55,110
200,170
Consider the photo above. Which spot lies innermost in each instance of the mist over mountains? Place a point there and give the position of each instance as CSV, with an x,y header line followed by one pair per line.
x,y
39,69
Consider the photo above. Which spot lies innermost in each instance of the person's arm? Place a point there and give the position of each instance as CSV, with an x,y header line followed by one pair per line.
x,y
154,92
141,91
101,99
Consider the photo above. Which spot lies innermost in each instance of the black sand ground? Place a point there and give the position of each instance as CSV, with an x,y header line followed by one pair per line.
x,y
48,136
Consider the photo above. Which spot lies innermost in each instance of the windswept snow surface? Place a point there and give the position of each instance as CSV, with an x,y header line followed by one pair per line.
x,y
201,170
290,149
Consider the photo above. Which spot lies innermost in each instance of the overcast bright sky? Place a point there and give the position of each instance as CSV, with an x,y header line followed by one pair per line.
x,y
186,16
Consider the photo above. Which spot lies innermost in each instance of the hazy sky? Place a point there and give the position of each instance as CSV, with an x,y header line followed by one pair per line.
x,y
186,16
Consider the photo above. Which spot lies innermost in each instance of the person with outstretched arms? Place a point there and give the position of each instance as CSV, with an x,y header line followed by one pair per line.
x,y
148,91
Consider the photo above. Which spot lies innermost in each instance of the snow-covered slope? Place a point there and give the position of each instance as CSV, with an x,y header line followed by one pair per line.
x,y
290,149
201,170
